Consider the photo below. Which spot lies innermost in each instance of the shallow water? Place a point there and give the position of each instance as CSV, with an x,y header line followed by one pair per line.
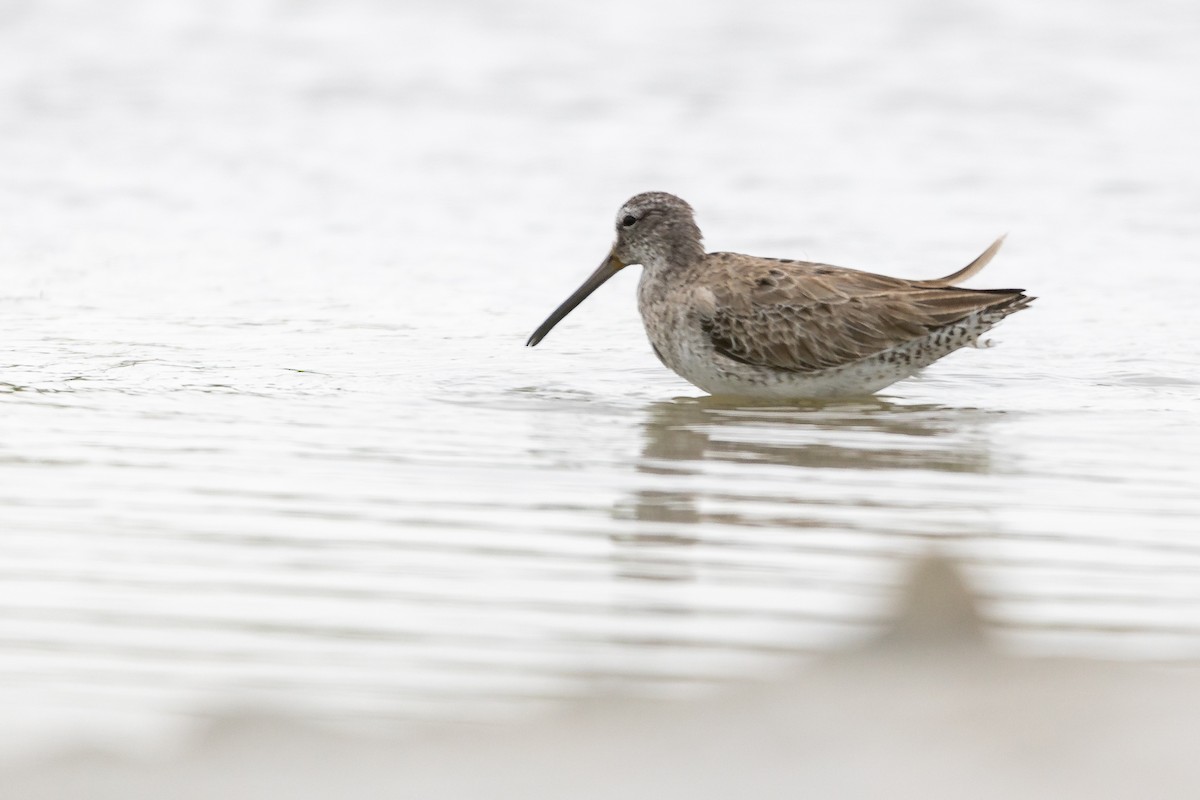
x,y
270,436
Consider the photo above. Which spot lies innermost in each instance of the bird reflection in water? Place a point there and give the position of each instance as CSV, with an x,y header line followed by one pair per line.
x,y
691,447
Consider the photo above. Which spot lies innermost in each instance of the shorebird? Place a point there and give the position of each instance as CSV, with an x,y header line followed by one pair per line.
x,y
777,328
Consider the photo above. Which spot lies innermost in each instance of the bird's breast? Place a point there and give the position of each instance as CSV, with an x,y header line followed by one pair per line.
x,y
672,317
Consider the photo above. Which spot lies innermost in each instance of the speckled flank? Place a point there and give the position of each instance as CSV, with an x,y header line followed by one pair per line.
x,y
861,377
784,329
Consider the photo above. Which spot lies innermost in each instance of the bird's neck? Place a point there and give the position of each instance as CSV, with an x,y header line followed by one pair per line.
x,y
680,255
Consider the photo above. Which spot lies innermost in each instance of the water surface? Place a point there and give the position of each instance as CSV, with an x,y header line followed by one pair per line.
x,y
269,436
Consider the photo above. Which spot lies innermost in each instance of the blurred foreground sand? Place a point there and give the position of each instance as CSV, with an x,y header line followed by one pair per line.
x,y
926,710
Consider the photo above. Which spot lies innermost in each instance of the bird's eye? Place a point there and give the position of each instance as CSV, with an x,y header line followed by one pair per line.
x,y
629,220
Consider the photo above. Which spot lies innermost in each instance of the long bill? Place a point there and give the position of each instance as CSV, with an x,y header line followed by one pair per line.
x,y
611,266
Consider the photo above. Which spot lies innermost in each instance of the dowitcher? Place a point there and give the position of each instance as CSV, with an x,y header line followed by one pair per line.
x,y
777,328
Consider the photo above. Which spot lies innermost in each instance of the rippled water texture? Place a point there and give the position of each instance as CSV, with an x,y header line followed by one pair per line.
x,y
270,436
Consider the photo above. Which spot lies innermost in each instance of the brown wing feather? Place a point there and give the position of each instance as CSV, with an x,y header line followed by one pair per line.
x,y
806,317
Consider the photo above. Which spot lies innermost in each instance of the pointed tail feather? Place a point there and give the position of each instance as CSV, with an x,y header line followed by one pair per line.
x,y
970,269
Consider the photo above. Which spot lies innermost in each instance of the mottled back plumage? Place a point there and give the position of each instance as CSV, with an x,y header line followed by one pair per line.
x,y
779,328
761,306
